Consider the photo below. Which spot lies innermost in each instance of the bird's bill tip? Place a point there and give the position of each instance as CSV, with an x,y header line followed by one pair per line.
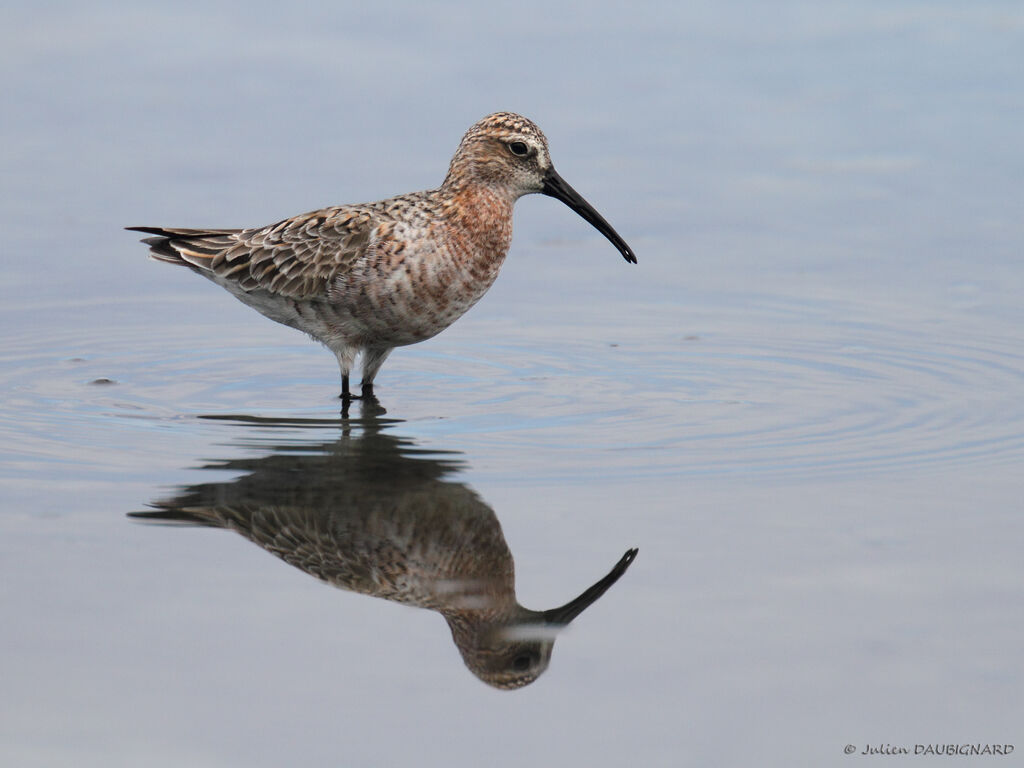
x,y
566,613
557,187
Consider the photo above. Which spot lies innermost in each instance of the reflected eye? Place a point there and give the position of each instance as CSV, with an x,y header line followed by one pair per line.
x,y
518,148
522,662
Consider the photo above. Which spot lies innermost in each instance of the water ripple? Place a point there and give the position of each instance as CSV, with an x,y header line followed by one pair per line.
x,y
754,396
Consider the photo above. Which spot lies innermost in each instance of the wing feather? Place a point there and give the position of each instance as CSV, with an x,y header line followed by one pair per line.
x,y
297,257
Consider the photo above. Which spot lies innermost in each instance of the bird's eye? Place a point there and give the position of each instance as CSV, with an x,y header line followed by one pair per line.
x,y
522,662
518,148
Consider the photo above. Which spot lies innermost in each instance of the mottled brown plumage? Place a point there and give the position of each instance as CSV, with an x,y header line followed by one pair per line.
x,y
371,277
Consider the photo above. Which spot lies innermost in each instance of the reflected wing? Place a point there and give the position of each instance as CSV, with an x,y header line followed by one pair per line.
x,y
297,257
297,535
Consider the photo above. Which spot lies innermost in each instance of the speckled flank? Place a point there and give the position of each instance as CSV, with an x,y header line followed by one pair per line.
x,y
367,278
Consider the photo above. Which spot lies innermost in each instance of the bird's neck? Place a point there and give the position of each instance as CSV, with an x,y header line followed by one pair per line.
x,y
480,216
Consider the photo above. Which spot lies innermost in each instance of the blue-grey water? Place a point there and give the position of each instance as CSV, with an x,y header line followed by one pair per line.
x,y
803,405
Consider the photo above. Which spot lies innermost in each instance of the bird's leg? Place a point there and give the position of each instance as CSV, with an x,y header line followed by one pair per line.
x,y
373,359
346,391
346,356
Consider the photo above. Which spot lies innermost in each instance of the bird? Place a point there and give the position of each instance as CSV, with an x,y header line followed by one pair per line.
x,y
375,514
363,279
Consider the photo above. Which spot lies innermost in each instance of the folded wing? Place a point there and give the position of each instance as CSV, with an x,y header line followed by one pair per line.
x,y
297,257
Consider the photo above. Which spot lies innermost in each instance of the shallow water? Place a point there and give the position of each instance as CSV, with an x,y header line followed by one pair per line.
x,y
803,405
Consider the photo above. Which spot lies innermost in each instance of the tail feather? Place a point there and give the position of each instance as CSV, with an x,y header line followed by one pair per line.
x,y
178,516
182,232
174,244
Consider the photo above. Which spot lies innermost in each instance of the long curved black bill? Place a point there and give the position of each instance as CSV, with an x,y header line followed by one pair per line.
x,y
557,187
572,609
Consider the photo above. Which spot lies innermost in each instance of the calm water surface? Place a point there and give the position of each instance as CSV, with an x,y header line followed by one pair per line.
x,y
803,405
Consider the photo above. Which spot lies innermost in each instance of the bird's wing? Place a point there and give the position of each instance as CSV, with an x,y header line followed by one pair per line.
x,y
310,539
297,257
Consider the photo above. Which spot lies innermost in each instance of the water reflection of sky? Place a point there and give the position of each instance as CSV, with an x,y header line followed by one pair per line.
x,y
801,404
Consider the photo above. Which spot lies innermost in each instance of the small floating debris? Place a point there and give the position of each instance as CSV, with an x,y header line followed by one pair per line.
x,y
102,382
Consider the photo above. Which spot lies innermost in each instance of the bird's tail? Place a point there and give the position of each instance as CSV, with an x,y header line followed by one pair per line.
x,y
177,245
178,516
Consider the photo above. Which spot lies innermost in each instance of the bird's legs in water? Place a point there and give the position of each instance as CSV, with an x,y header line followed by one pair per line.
x,y
371,406
366,391
373,358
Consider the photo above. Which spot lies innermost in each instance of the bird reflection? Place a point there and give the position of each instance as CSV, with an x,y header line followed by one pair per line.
x,y
372,513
